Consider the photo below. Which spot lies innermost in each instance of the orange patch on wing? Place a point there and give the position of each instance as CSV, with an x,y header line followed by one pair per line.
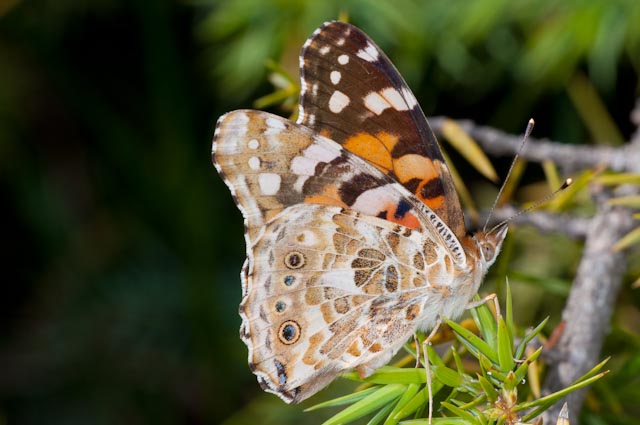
x,y
329,196
433,203
414,166
389,140
354,349
375,149
408,219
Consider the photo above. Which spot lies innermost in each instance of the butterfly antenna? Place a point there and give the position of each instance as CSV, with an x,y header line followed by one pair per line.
x,y
527,132
565,185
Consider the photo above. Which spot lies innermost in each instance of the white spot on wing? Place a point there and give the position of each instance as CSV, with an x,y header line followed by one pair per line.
x,y
409,97
341,41
303,82
253,144
370,201
269,183
343,59
307,238
369,53
311,119
335,77
394,97
324,50
231,131
314,89
338,102
322,153
297,186
274,126
239,120
375,103
254,163
303,166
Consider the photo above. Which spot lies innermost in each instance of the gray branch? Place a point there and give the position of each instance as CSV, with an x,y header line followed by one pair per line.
x,y
569,157
595,289
589,308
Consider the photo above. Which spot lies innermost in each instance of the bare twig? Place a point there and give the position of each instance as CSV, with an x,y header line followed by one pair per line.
x,y
570,157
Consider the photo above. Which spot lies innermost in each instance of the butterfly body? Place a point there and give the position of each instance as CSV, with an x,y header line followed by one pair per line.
x,y
354,233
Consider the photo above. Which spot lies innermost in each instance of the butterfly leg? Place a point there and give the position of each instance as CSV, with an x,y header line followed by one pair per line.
x,y
417,343
491,297
427,366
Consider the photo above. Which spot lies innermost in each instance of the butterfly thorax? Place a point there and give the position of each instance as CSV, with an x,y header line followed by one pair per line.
x,y
462,283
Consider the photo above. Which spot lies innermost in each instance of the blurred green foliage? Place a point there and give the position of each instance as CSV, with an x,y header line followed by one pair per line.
x,y
472,50
123,247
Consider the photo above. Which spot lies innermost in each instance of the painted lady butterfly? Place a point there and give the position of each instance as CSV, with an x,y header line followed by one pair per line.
x,y
355,236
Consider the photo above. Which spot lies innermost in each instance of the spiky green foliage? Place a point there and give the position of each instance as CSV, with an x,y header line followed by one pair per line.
x,y
491,387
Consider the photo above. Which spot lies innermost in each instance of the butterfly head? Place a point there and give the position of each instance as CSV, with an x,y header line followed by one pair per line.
x,y
489,244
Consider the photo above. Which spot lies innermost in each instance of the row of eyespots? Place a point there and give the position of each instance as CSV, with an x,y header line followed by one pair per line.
x,y
289,331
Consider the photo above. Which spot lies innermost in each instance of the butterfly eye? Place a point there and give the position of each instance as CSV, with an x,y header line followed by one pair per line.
x,y
488,252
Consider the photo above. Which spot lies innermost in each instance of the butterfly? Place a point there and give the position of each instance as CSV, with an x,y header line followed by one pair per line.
x,y
354,232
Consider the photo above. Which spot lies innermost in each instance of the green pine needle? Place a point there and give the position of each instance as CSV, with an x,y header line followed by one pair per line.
x,y
491,392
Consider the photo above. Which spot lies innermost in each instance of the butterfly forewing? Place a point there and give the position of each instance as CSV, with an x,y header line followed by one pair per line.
x,y
354,95
270,163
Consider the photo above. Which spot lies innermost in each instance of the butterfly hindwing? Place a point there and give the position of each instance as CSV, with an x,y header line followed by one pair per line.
x,y
361,281
353,94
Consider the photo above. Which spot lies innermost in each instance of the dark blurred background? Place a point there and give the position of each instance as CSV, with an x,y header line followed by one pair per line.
x,y
123,247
